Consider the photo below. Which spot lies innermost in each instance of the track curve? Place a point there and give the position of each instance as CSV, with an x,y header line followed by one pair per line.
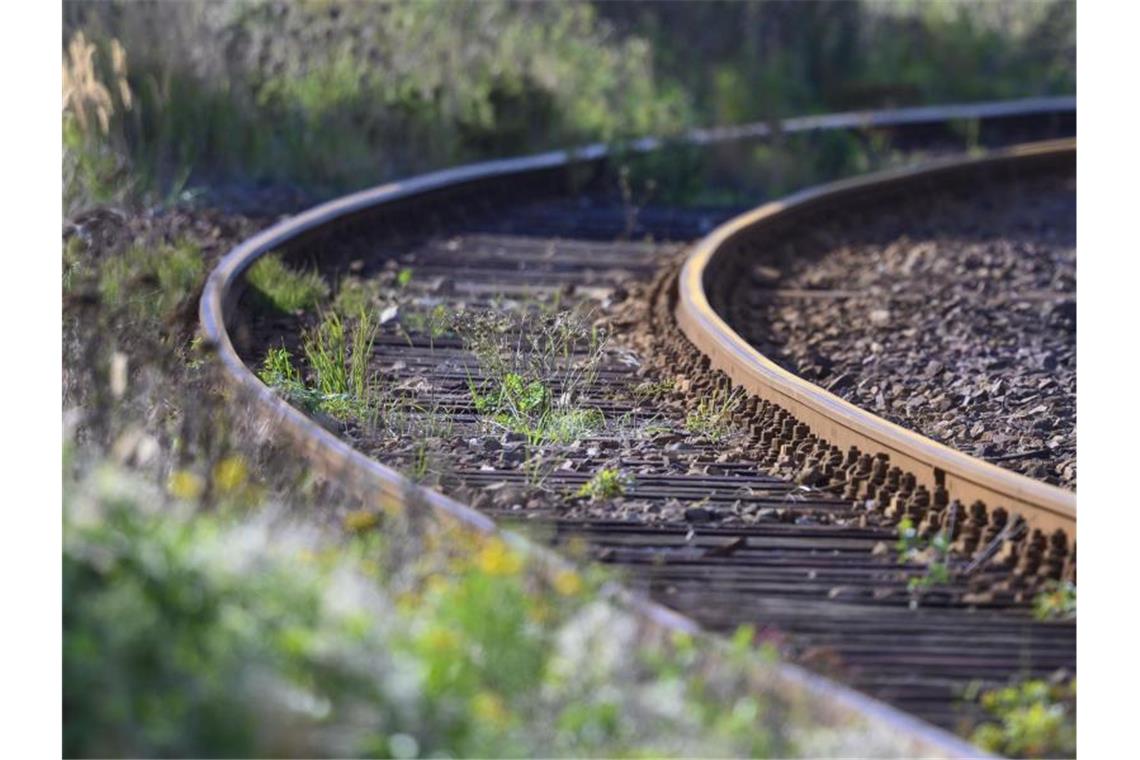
x,y
431,199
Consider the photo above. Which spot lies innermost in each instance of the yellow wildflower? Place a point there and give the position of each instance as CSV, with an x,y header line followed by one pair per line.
x,y
496,559
437,585
577,547
361,520
567,583
184,484
230,474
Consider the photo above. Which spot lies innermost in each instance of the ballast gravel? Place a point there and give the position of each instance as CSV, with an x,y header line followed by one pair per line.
x,y
953,315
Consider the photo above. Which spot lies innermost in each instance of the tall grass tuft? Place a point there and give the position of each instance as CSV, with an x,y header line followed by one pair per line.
x,y
337,353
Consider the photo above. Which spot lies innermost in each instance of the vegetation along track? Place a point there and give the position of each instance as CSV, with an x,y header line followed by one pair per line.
x,y
634,448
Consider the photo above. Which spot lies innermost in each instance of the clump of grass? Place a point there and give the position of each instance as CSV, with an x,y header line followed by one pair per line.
x,y
607,483
338,356
277,371
567,426
285,288
75,262
1033,719
96,98
713,416
1057,601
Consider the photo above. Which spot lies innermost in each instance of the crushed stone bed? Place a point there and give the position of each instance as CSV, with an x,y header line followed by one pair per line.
x,y
953,315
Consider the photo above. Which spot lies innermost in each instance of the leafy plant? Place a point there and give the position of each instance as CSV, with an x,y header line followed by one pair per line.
x,y
284,288
1056,601
910,547
1032,719
607,483
184,636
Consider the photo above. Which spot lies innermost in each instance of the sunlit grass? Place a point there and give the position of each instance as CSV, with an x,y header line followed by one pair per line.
x,y
150,282
285,288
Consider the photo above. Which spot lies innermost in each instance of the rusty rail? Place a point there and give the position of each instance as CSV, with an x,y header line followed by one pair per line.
x,y
966,478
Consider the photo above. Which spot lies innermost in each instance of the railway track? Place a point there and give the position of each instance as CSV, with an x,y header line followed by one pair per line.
x,y
767,523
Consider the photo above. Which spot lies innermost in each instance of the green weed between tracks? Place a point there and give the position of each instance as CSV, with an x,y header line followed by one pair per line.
x,y
337,353
606,483
1057,601
537,369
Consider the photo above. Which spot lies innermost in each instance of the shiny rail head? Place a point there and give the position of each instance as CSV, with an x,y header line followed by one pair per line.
x,y
968,479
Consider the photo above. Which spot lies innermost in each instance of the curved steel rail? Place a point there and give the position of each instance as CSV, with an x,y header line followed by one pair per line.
x,y
386,487
841,423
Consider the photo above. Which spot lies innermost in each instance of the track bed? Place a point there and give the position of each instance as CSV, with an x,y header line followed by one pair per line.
x,y
715,526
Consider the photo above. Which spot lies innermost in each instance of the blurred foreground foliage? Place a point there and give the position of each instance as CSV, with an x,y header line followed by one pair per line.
x,y
242,633
330,95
